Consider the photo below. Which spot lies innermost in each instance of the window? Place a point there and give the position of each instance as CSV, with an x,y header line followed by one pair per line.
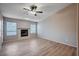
x,y
33,28
11,28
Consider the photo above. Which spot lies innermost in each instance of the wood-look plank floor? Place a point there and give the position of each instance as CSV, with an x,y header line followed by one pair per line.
x,y
36,47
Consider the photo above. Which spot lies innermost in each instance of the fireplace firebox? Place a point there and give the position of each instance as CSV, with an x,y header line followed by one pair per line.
x,y
24,32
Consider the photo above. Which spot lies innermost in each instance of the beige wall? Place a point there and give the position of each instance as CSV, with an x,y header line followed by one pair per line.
x,y
1,30
60,27
21,24
78,28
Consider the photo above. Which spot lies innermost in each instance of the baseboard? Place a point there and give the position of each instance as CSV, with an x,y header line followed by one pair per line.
x,y
59,42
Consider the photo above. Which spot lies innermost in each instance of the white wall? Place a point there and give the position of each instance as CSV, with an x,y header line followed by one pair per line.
x,y
60,27
1,30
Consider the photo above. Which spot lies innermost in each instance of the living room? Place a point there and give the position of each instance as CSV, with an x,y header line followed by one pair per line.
x,y
39,29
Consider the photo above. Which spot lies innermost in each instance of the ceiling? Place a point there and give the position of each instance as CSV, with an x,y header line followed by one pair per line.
x,y
15,10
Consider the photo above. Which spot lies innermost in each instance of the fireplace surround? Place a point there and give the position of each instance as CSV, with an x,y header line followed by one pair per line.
x,y
23,33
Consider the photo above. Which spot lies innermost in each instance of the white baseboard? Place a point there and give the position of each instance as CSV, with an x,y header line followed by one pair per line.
x,y
59,42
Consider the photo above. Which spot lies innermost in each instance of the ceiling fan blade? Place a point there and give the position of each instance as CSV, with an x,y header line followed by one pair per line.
x,y
33,7
39,11
26,9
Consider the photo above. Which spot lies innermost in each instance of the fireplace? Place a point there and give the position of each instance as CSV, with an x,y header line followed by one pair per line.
x,y
24,32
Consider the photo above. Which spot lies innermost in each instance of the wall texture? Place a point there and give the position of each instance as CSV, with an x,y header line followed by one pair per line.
x,y
1,30
60,27
21,24
78,27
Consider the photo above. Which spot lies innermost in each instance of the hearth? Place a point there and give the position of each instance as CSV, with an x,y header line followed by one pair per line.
x,y
24,32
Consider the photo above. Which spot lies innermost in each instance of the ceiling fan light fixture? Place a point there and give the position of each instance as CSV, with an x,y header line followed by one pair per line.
x,y
32,12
